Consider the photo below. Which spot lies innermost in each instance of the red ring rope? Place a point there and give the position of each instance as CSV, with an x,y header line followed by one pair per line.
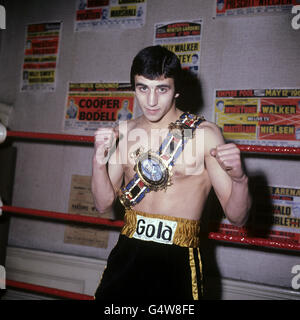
x,y
119,223
90,139
269,149
50,136
64,216
47,290
261,242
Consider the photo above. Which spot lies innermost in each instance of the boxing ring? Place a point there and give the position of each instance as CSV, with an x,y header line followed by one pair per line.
x,y
66,217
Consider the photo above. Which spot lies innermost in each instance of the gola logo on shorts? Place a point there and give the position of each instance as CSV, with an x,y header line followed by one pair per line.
x,y
154,229
160,228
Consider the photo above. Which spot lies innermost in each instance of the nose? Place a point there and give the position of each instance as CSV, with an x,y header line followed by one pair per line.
x,y
152,98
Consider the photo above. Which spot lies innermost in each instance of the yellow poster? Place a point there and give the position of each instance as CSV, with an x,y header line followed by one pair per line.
x,y
259,116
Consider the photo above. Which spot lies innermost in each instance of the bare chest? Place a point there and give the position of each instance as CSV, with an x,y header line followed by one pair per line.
x,y
189,159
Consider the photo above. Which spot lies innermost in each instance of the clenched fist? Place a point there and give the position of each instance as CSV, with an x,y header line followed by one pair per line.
x,y
105,139
229,158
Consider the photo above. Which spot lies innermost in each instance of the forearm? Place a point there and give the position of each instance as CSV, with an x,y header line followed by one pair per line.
x,y
102,188
239,202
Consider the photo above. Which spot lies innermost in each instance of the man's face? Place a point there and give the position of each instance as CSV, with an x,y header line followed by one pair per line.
x,y
155,97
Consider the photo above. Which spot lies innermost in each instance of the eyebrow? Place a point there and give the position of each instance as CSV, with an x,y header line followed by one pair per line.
x,y
158,86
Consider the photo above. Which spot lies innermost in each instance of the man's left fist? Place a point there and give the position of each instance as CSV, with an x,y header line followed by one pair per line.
x,y
229,158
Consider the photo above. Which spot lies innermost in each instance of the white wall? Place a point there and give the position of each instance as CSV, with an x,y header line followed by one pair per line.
x,y
244,52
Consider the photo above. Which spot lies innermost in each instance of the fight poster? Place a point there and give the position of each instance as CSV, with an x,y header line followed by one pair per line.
x,y
277,216
40,56
253,7
268,117
95,15
93,105
183,38
81,202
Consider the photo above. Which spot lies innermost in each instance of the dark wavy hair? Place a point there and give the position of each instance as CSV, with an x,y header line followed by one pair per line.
x,y
156,61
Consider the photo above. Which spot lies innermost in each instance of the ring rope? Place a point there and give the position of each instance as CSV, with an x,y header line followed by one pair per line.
x,y
119,223
47,290
50,136
63,216
90,139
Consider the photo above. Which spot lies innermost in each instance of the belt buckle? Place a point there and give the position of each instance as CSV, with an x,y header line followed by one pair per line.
x,y
153,171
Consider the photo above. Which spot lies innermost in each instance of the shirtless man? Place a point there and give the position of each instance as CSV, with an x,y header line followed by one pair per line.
x,y
157,254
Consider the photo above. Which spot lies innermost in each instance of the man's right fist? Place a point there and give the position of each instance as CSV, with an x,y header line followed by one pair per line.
x,y
105,139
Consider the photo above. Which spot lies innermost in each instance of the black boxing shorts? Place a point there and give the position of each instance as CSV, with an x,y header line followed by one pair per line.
x,y
156,257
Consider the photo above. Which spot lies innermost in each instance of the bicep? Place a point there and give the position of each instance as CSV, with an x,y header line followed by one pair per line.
x,y
115,170
219,179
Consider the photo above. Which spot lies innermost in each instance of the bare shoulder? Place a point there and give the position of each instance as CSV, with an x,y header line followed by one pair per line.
x,y
210,127
212,135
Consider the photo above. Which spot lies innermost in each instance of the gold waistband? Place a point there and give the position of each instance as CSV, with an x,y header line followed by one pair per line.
x,y
186,232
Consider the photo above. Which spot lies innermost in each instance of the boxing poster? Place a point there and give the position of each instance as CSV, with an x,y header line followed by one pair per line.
x,y
41,56
184,39
268,117
81,202
93,105
253,7
277,216
96,15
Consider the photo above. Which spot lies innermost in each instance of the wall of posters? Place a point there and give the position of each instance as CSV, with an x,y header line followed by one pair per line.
x,y
259,116
276,218
40,56
246,7
183,38
91,105
93,15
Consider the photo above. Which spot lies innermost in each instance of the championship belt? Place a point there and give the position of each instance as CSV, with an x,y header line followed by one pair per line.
x,y
153,169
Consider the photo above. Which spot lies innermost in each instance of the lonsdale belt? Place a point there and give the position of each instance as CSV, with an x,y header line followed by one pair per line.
x,y
153,169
